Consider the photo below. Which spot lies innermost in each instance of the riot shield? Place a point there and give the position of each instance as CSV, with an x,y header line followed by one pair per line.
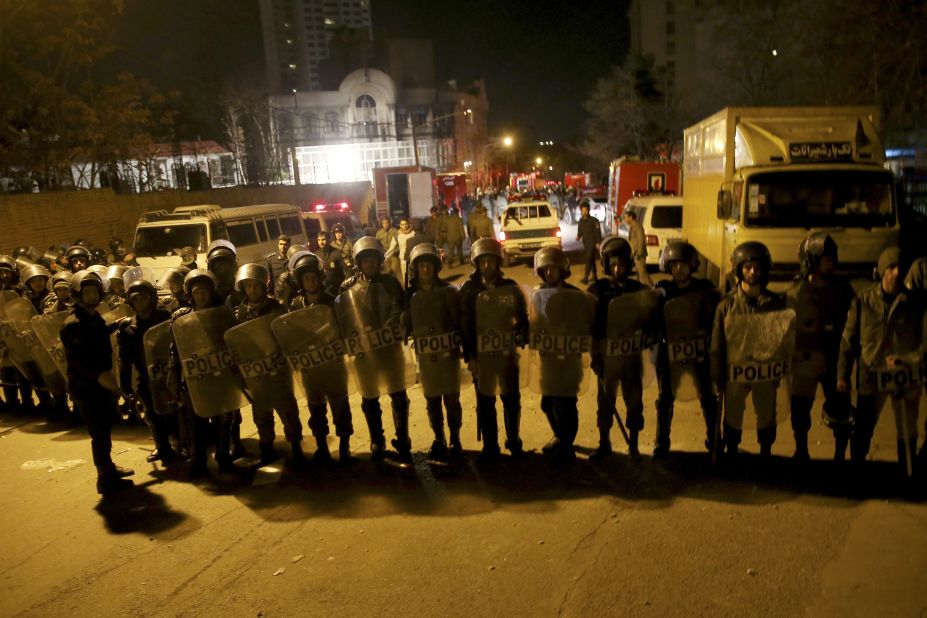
x,y
206,361
375,341
631,334
501,328
138,273
157,343
47,329
260,361
111,315
41,363
759,348
560,342
312,343
687,327
5,297
17,335
437,340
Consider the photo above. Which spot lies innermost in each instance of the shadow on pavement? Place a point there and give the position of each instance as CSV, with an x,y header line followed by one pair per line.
x,y
139,510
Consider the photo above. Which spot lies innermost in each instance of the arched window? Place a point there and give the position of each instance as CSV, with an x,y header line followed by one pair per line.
x,y
366,116
365,101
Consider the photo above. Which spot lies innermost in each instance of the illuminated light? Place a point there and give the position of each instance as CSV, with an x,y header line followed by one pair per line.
x,y
343,206
319,207
507,140
539,160
558,233
292,67
550,167
652,240
329,21
501,235
775,52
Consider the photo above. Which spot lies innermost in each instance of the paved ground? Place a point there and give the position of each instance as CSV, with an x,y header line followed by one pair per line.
x,y
622,538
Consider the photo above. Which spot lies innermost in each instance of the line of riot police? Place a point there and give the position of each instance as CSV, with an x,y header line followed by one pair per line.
x,y
221,340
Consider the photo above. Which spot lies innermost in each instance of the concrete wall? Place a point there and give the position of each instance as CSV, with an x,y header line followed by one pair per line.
x,y
44,219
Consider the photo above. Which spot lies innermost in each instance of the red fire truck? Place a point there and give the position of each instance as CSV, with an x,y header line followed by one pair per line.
x,y
628,178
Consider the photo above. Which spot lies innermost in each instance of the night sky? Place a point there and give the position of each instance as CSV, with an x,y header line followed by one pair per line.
x,y
540,59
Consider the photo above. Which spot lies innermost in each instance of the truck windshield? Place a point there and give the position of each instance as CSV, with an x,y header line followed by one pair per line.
x,y
841,198
161,240
517,213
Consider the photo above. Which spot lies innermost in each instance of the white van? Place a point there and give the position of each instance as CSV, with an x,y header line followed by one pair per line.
x,y
527,227
661,218
252,229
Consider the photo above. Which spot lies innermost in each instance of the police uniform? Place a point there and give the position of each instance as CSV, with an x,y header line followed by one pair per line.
x,y
486,404
333,268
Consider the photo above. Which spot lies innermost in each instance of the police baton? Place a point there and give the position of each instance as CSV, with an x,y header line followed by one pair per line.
x,y
716,445
624,432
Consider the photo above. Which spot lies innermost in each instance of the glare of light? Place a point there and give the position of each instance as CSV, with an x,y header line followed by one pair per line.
x,y
469,111
507,140
775,52
329,21
540,143
550,167
538,161
292,67
294,90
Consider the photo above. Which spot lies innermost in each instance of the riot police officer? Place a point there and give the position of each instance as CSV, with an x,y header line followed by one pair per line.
x,y
752,264
821,299
251,281
307,272
35,285
91,383
436,305
9,377
117,289
552,266
78,257
341,242
617,264
222,261
9,274
486,258
143,298
60,299
686,321
883,337
370,257
173,280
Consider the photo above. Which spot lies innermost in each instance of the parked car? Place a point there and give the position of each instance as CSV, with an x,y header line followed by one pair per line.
x,y
527,227
661,217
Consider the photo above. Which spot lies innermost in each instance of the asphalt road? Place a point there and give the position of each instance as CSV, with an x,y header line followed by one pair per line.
x,y
620,538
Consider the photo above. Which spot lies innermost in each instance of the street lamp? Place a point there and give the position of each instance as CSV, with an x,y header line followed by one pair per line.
x,y
505,141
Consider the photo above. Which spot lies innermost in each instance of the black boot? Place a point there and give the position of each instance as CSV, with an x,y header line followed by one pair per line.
x,y
489,428
322,456
633,449
801,447
512,420
731,440
605,445
402,443
661,446
267,453
297,457
374,417
238,449
766,436
344,450
438,450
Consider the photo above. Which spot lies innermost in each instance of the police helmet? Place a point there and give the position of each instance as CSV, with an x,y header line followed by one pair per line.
x,y
176,274
83,278
8,262
368,245
813,248
116,271
100,272
303,262
198,275
485,246
552,256
337,228
615,246
23,262
97,256
221,249
678,251
49,257
62,278
424,251
294,249
32,271
77,250
30,253
251,272
751,251
20,252
135,273
141,286
114,243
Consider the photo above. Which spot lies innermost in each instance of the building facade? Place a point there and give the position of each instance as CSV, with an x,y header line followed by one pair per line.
x,y
297,35
341,135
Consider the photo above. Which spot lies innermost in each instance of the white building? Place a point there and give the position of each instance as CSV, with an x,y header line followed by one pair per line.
x,y
341,135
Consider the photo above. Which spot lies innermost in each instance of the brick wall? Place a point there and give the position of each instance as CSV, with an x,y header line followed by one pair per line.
x,y
44,219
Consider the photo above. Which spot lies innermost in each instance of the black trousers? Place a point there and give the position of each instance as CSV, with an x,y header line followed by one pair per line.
x,y
97,406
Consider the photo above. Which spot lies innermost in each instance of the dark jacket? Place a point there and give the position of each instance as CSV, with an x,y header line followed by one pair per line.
x,y
246,312
87,348
589,231
333,269
604,292
300,302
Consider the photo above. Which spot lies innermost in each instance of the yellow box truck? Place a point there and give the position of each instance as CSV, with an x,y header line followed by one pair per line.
x,y
775,174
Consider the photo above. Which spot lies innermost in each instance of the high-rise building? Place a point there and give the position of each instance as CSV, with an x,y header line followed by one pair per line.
x,y
297,34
